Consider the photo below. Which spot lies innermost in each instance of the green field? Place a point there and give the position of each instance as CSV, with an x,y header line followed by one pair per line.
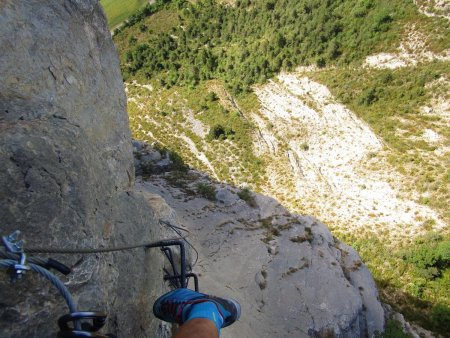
x,y
118,11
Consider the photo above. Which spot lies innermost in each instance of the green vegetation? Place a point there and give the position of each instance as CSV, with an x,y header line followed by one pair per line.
x,y
414,277
181,46
308,236
430,255
147,168
394,330
218,132
117,11
271,231
252,41
177,162
207,191
171,119
246,195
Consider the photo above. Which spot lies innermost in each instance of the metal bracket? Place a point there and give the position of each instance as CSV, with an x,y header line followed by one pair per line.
x,y
19,269
15,246
178,280
12,242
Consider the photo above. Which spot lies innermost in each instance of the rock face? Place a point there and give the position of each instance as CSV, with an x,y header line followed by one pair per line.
x,y
66,170
292,277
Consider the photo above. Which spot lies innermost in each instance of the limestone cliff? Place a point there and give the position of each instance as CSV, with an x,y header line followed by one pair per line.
x,y
292,277
66,170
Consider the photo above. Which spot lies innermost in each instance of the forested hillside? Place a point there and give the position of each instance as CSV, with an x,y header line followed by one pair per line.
x,y
253,40
196,74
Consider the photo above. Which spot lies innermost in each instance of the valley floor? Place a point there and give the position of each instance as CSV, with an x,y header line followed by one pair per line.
x,y
365,148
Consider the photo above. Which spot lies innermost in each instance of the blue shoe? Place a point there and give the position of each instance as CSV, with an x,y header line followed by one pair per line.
x,y
176,306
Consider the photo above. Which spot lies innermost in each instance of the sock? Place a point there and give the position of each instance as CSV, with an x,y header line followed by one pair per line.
x,y
206,310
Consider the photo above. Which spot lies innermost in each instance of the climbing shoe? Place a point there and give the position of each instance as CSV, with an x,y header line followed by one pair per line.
x,y
181,305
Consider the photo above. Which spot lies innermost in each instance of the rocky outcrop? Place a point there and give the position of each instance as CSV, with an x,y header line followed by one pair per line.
x,y
328,165
292,277
66,170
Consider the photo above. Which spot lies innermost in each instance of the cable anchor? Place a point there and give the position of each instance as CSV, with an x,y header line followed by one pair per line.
x,y
12,242
15,246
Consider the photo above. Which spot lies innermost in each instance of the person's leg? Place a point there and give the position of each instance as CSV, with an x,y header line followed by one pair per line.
x,y
197,328
186,307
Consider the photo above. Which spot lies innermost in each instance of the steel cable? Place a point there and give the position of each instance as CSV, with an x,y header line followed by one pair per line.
x,y
39,265
97,250
177,229
16,257
9,263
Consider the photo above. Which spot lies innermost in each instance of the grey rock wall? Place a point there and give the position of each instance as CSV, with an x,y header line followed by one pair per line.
x,y
291,276
66,169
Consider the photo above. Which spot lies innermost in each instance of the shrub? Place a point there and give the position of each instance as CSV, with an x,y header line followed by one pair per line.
x,y
147,168
382,21
128,56
441,317
142,27
368,97
211,97
394,330
246,195
266,222
207,191
270,6
321,63
132,40
387,77
177,162
428,224
430,255
137,155
219,132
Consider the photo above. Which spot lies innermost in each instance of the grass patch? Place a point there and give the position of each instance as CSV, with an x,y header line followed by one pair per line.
x,y
150,27
117,11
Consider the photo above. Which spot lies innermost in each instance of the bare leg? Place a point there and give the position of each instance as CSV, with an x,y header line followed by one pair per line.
x,y
197,328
